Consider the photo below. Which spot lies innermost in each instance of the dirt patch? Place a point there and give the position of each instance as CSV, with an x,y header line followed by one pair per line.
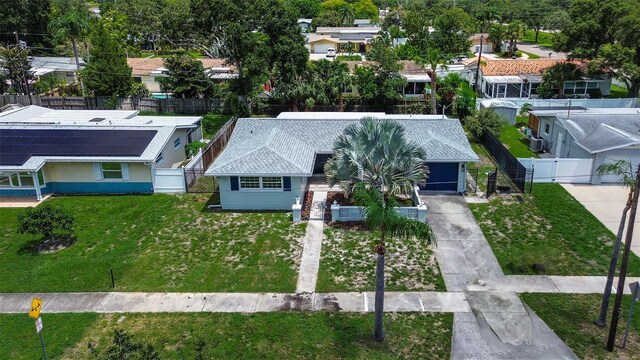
x,y
306,205
297,302
60,243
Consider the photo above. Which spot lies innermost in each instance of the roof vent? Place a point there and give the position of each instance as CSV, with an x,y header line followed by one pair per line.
x,y
97,120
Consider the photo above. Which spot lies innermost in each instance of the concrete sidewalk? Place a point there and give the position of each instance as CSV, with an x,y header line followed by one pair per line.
x,y
117,302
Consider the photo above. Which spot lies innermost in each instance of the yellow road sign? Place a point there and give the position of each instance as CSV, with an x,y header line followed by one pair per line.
x,y
36,306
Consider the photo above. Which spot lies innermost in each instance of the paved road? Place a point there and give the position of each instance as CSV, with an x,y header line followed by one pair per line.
x,y
500,326
541,51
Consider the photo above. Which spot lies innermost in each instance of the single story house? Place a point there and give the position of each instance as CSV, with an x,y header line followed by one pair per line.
x,y
519,78
339,38
148,71
418,79
63,68
45,151
604,135
267,162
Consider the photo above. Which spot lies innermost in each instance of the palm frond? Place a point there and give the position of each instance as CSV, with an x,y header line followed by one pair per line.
x,y
622,168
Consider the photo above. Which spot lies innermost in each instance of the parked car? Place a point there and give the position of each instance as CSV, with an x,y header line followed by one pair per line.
x,y
331,52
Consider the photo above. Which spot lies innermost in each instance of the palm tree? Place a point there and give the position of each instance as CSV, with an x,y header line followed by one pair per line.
x,y
624,170
513,32
72,23
433,57
374,162
376,152
338,80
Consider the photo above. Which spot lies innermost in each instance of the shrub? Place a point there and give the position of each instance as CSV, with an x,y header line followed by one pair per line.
x,y
483,120
45,220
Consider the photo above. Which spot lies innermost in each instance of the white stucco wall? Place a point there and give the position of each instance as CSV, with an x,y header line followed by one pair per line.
x,y
172,157
84,172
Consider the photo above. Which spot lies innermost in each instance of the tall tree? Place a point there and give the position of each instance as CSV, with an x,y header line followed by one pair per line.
x,y
29,18
512,32
433,57
107,72
186,78
553,79
144,22
608,33
71,22
15,66
375,162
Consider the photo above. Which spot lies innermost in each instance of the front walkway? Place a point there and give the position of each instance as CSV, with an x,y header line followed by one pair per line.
x,y
500,326
605,202
312,245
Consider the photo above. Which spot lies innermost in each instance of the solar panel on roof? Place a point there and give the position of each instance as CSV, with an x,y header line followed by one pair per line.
x,y
18,145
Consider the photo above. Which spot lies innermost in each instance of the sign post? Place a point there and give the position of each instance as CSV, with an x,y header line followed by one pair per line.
x,y
34,313
635,297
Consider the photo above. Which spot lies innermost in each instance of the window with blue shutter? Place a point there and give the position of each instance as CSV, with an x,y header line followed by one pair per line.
x,y
235,186
286,181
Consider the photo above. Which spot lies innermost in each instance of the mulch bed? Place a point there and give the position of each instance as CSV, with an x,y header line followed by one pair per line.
x,y
348,225
306,205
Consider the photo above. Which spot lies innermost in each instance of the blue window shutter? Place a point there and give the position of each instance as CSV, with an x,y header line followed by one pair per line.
x,y
286,182
235,186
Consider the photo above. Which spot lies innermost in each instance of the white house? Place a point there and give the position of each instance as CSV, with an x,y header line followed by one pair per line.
x,y
45,151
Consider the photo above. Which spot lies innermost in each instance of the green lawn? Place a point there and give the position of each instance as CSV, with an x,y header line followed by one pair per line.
x,y
544,39
548,232
571,316
19,340
223,336
618,92
211,123
155,243
516,142
348,263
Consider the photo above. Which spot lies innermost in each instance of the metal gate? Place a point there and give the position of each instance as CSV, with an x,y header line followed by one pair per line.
x,y
492,180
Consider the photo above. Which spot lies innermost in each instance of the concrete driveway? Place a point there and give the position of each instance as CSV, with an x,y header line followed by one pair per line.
x,y
541,51
605,202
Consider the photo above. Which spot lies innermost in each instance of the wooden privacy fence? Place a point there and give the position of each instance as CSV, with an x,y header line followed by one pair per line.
x,y
178,106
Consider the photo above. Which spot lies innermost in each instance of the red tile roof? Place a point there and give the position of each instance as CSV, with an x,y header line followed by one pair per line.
x,y
516,66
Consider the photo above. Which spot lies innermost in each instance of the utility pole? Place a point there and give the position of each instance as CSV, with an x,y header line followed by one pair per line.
x,y
24,75
623,267
475,86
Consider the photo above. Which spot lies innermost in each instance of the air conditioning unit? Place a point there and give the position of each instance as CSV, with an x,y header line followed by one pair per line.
x,y
535,144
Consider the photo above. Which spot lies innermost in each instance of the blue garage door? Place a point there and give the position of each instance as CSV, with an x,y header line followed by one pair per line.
x,y
442,177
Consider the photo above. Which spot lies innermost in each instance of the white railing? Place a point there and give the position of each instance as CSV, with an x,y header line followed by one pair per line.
x,y
586,103
355,213
169,180
559,170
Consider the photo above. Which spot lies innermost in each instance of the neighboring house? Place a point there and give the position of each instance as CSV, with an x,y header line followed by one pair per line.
x,y
338,38
517,78
63,68
487,45
45,151
148,71
268,162
604,135
418,79
506,109
363,23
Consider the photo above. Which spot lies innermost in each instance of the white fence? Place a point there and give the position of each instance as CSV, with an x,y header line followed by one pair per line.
x,y
169,181
586,103
559,170
355,213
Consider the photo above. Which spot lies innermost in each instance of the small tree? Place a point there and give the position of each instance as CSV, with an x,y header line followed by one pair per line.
x,y
45,220
484,120
553,79
186,78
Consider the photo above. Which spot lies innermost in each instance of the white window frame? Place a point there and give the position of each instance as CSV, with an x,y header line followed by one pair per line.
x,y
177,143
15,179
261,184
242,188
547,128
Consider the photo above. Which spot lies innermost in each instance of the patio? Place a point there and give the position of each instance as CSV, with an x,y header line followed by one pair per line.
x,y
21,201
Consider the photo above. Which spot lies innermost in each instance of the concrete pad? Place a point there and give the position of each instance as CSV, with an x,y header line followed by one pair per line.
x,y
74,302
127,302
284,302
231,302
504,313
454,227
397,302
524,283
348,302
179,302
312,246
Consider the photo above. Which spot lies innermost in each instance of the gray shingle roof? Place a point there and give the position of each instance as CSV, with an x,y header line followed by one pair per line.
x,y
598,132
288,147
